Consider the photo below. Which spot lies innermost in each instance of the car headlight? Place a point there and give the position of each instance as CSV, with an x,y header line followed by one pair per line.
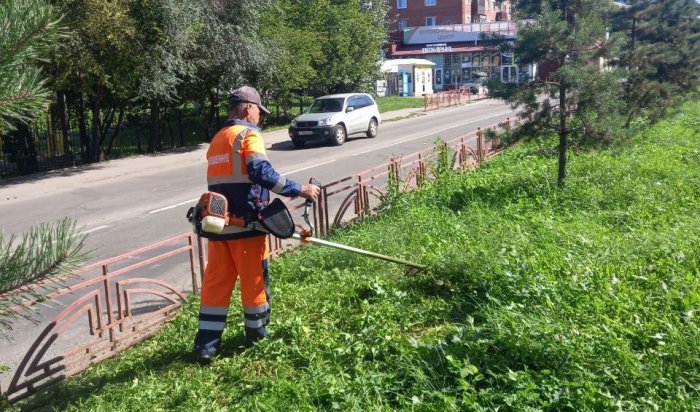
x,y
294,122
325,122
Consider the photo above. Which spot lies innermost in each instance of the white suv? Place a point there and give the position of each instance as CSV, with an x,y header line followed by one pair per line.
x,y
333,118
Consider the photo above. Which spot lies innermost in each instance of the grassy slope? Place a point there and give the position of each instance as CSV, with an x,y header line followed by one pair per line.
x,y
581,299
389,103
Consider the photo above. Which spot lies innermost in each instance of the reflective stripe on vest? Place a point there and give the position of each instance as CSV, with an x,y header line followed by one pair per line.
x,y
239,172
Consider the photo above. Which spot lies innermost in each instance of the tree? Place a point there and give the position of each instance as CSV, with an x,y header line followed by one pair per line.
x,y
296,48
228,51
579,101
352,33
662,54
98,66
166,33
327,46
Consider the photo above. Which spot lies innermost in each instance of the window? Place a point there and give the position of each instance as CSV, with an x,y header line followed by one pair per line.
x,y
366,101
354,103
430,21
401,4
402,24
430,3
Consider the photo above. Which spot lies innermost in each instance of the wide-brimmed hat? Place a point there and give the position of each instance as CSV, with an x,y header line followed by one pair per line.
x,y
246,94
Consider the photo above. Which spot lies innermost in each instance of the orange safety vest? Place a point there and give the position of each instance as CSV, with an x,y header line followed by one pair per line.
x,y
234,150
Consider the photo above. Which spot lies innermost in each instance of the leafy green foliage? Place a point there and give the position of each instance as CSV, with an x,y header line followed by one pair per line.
x,y
583,298
28,30
661,56
125,57
324,46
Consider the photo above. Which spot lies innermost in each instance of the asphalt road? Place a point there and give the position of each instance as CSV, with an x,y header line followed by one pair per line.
x,y
126,204
129,203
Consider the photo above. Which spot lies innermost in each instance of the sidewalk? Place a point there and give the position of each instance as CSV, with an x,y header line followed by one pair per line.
x,y
42,184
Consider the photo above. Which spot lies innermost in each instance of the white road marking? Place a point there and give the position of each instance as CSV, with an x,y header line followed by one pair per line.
x,y
95,229
173,206
308,167
389,144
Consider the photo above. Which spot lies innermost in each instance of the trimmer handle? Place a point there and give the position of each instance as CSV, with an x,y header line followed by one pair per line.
x,y
307,206
313,181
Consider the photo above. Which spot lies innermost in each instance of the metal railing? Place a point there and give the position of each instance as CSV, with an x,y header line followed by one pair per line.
x,y
454,97
119,311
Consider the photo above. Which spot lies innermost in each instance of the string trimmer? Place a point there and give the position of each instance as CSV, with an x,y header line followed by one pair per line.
x,y
306,236
210,219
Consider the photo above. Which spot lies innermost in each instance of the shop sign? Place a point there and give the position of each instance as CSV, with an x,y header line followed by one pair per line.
x,y
457,32
434,34
437,48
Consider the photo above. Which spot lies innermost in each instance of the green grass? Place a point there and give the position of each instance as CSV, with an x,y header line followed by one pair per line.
x,y
580,299
387,104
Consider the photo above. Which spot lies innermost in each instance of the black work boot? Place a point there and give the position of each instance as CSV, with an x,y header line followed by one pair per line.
x,y
253,335
205,344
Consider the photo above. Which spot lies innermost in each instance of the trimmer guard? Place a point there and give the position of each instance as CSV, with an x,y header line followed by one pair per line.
x,y
276,219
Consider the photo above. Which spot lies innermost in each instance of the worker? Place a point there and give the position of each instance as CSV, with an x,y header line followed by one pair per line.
x,y
239,169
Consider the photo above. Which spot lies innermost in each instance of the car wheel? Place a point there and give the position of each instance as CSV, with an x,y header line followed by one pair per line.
x,y
373,128
298,143
339,135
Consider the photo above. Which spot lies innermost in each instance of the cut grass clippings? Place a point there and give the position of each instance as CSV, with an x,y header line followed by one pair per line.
x,y
583,299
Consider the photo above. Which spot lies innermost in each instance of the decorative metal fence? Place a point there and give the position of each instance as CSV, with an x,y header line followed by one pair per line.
x,y
101,315
453,97
106,301
362,193
42,146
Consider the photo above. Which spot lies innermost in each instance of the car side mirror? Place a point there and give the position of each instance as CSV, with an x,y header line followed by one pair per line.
x,y
349,109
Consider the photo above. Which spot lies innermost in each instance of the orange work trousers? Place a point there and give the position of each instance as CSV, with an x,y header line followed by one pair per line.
x,y
232,259
229,260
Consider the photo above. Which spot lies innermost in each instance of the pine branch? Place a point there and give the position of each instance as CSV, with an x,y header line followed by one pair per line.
x,y
42,253
28,30
39,26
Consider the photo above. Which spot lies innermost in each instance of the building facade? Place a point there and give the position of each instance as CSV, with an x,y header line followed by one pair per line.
x,y
460,36
415,13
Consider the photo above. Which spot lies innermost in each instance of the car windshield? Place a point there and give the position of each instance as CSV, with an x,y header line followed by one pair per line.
x,y
327,106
